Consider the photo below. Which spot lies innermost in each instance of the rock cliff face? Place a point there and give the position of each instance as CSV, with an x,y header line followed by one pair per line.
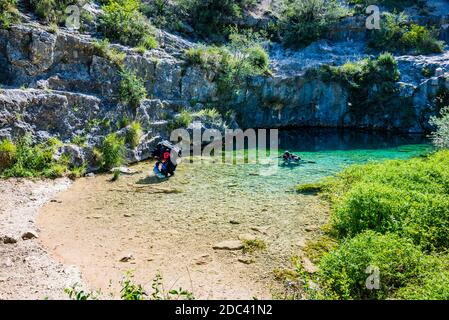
x,y
59,84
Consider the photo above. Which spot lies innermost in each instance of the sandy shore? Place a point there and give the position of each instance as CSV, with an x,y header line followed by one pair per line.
x,y
27,270
173,227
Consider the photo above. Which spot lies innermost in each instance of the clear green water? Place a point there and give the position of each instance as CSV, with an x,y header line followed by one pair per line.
x,y
330,151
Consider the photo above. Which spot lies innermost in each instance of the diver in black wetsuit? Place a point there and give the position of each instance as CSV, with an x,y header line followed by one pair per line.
x,y
288,157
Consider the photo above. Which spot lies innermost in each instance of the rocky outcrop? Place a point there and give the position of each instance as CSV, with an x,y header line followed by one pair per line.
x,y
45,113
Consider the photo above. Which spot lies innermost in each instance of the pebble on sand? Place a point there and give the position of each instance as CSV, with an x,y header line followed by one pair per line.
x,y
29,235
8,240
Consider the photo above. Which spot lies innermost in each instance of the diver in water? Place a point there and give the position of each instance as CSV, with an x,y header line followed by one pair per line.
x,y
289,157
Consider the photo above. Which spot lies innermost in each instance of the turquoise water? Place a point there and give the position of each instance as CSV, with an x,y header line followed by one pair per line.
x,y
330,152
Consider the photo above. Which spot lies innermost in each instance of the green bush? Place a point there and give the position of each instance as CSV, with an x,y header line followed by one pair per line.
x,y
8,152
133,134
398,34
408,197
243,57
131,290
8,13
213,18
440,136
122,21
27,160
53,11
164,14
104,50
365,72
433,283
112,152
182,120
211,115
134,291
80,140
258,58
207,56
343,272
132,88
304,21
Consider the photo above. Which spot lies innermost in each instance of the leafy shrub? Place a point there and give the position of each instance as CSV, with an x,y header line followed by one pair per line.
x,y
213,17
134,291
398,34
440,137
408,197
164,14
75,293
30,160
304,21
243,57
112,151
182,120
8,13
251,245
8,151
433,283
54,13
364,72
343,271
130,290
77,172
104,50
207,57
132,88
133,134
122,21
257,58
80,140
211,115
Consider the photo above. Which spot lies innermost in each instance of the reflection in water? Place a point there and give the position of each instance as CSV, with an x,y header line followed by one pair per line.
x,y
319,139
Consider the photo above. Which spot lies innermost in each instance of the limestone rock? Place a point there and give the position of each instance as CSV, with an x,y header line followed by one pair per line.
x,y
8,240
229,245
127,258
29,235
